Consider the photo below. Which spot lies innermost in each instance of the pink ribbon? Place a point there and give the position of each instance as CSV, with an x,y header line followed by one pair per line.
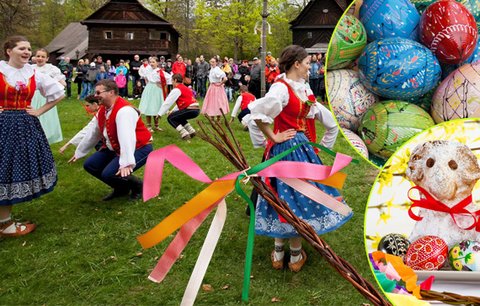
x,y
285,170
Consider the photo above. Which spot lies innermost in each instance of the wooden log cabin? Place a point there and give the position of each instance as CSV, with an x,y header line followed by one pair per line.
x,y
123,28
314,25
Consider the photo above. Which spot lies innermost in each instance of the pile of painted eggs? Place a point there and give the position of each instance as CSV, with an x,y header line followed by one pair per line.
x,y
401,66
432,253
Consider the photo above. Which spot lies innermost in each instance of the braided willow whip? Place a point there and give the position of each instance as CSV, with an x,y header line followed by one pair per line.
x,y
231,149
449,298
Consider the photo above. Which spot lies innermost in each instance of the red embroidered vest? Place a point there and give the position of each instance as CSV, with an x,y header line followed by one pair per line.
x,y
10,98
293,115
142,134
246,99
186,97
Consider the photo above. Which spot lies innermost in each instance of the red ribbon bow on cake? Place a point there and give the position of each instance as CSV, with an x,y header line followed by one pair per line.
x,y
429,202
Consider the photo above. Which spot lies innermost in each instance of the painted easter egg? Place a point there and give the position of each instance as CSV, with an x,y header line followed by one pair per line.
x,y
465,256
347,43
348,97
395,244
427,253
475,57
449,30
389,124
398,68
473,6
458,96
356,142
389,18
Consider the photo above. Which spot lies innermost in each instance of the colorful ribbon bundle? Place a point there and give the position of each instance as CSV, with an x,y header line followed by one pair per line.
x,y
190,216
397,278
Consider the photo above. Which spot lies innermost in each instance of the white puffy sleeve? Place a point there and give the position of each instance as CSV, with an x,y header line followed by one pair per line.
x,y
50,88
220,74
55,73
270,106
126,122
153,76
325,117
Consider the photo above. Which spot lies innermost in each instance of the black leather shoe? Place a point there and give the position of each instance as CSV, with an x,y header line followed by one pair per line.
x,y
136,186
115,194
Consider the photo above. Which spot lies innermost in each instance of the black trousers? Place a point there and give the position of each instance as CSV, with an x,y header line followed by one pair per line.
x,y
180,117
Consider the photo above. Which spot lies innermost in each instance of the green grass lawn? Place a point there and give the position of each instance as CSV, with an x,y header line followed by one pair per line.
x,y
85,252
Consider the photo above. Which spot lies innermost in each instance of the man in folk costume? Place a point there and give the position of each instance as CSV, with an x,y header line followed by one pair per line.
x,y
187,108
126,143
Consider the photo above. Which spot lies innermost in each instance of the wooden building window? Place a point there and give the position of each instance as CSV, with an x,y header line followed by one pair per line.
x,y
108,34
129,36
159,35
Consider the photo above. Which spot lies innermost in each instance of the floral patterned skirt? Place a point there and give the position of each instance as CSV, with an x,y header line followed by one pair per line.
x,y
27,168
321,218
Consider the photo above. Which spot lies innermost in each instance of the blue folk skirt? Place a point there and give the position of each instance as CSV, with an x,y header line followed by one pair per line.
x,y
27,168
321,218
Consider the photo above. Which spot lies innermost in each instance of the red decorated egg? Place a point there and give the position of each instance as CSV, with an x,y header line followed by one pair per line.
x,y
449,30
427,253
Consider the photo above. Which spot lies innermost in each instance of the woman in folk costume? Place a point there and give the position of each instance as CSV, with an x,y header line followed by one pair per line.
x,y
153,95
216,98
49,121
27,170
287,105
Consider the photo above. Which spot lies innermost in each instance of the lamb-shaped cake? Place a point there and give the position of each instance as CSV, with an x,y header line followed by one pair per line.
x,y
445,173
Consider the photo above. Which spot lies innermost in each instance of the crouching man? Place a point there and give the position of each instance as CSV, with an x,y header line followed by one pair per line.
x,y
126,143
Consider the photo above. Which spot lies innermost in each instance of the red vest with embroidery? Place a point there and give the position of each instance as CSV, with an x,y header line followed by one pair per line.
x,y
246,99
293,115
11,98
186,97
142,134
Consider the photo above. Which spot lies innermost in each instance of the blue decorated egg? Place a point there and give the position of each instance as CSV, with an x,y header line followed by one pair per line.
x,y
348,97
389,18
465,256
398,68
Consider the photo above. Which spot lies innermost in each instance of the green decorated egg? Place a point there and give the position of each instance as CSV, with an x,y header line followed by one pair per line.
x,y
347,43
389,124
465,256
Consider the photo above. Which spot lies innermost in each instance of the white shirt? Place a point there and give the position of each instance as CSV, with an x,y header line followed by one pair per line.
x,y
325,117
170,100
216,75
142,72
49,87
81,134
51,70
238,102
126,122
152,75
270,106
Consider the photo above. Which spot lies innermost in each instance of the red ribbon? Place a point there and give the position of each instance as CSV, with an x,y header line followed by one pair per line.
x,y
428,202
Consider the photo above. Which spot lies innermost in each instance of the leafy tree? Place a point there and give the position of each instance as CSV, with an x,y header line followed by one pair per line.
x,y
16,17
